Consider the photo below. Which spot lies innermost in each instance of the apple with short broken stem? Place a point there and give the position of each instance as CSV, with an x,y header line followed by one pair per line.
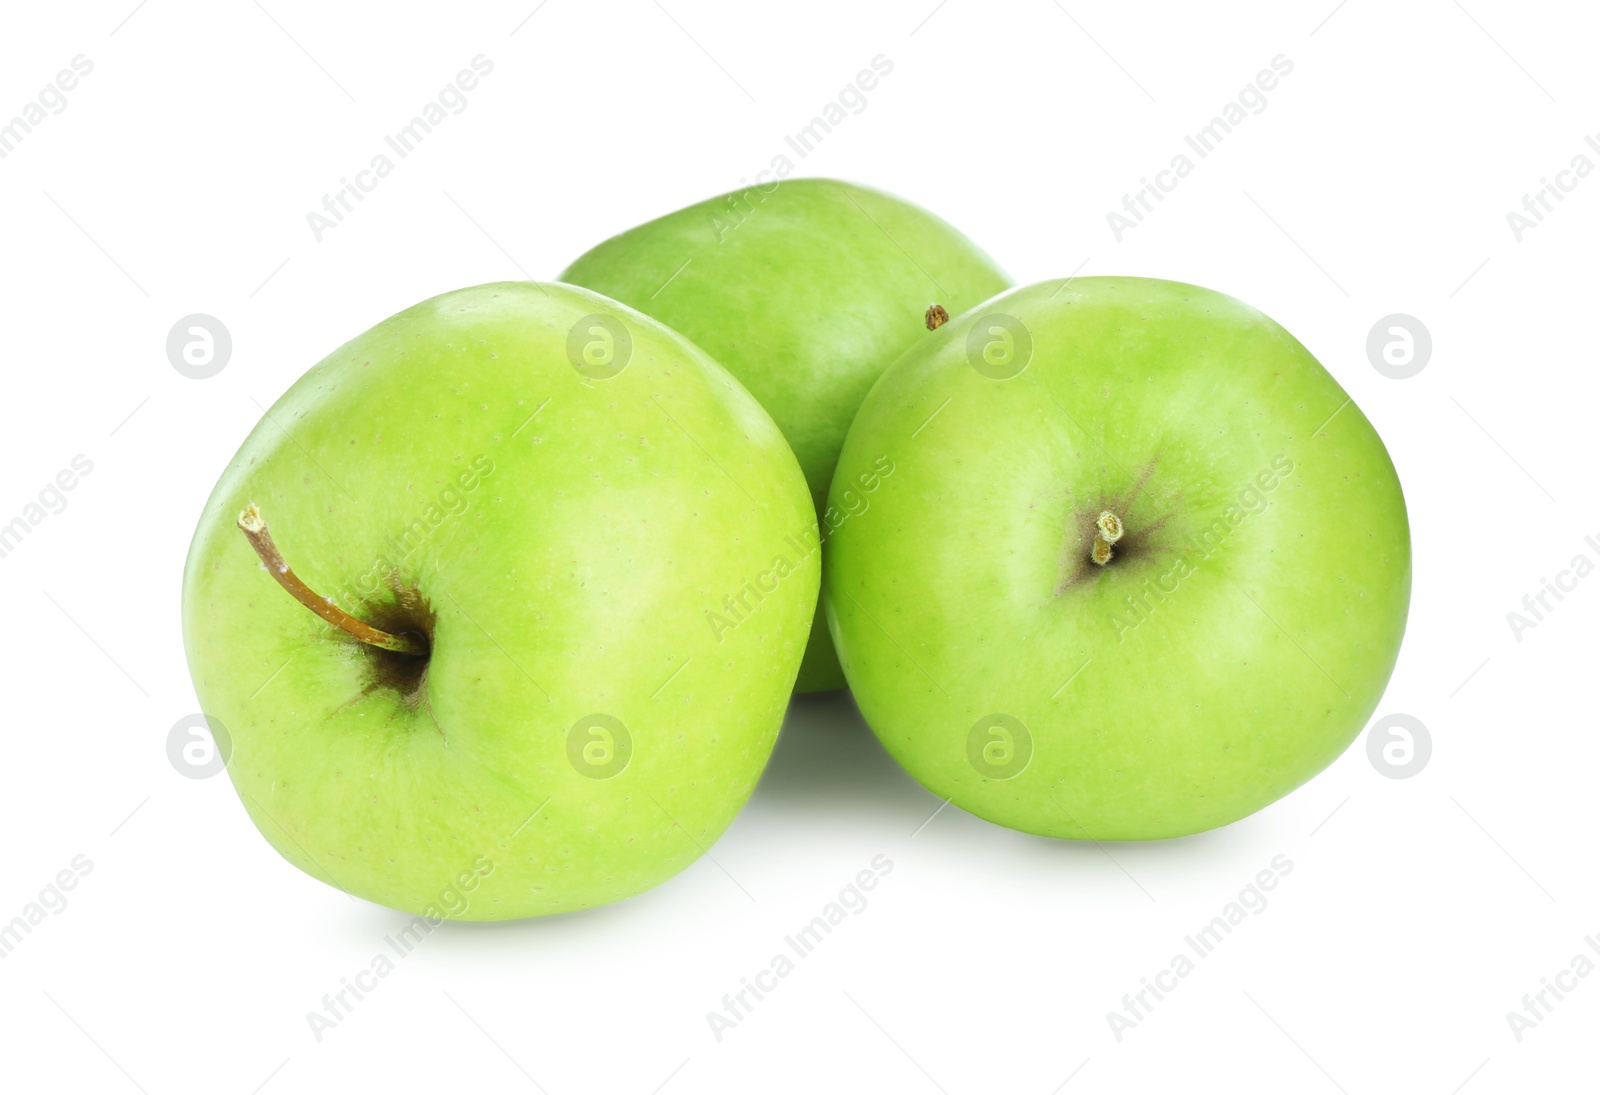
x,y
1143,567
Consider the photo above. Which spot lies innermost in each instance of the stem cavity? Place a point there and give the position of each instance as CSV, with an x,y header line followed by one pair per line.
x,y
254,527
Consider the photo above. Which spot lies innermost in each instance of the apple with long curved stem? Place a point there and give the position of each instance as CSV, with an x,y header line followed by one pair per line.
x,y
489,686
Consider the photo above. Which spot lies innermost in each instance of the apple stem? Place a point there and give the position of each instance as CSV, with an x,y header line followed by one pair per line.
x,y
935,317
254,527
1110,526
1108,529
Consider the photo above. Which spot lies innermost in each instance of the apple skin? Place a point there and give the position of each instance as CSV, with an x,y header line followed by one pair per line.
x,y
569,536
1266,542
806,290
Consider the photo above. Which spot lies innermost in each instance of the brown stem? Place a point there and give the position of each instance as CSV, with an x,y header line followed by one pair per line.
x,y
255,530
935,317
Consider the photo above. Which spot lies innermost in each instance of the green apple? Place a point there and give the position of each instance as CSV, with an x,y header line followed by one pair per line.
x,y
806,290
538,500
1141,567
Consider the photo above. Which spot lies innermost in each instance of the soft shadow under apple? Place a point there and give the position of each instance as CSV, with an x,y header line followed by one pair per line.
x,y
829,766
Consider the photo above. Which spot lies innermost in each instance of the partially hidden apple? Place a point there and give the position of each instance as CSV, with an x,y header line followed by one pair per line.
x,y
1142,566
449,603
806,290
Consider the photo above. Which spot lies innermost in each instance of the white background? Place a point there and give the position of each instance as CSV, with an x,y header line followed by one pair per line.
x,y
1377,180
